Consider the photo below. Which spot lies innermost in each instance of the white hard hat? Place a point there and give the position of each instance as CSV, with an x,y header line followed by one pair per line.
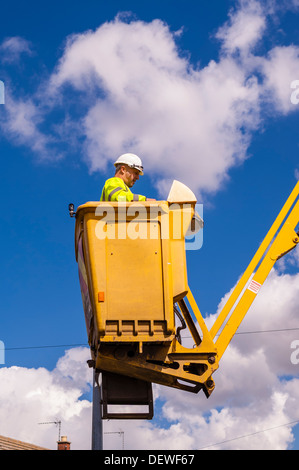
x,y
131,160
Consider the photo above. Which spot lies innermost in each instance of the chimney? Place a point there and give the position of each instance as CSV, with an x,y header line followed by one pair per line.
x,y
63,444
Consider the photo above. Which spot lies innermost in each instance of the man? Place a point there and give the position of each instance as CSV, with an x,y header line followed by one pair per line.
x,y
128,168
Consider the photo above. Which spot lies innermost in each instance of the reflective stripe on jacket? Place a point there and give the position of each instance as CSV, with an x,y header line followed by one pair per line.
x,y
115,189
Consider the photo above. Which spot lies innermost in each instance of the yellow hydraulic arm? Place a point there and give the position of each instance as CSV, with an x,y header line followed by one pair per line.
x,y
281,238
133,279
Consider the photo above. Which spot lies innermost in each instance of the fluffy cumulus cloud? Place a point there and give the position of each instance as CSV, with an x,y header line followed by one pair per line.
x,y
280,69
133,90
181,119
22,126
12,48
32,396
244,28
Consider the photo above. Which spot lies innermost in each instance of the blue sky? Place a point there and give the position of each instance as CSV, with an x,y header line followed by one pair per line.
x,y
202,92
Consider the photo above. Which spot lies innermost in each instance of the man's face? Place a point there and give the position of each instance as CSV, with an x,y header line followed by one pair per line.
x,y
130,176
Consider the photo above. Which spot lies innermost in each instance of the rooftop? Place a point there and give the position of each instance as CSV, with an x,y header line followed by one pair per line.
x,y
6,443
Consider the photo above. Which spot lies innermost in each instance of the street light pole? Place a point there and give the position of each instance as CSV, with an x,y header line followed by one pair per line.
x,y
97,423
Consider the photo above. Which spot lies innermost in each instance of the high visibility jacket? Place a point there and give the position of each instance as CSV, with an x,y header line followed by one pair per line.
x,y
115,189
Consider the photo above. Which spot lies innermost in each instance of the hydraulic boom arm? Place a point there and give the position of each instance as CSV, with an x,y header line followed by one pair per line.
x,y
281,238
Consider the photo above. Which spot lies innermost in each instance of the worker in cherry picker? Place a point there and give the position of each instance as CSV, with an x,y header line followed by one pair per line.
x,y
128,168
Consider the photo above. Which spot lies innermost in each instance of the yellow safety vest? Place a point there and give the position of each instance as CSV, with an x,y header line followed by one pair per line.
x,y
115,189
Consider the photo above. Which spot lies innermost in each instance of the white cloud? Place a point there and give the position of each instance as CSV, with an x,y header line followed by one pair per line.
x,y
21,123
13,47
32,396
192,122
280,69
244,29
182,120
134,91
